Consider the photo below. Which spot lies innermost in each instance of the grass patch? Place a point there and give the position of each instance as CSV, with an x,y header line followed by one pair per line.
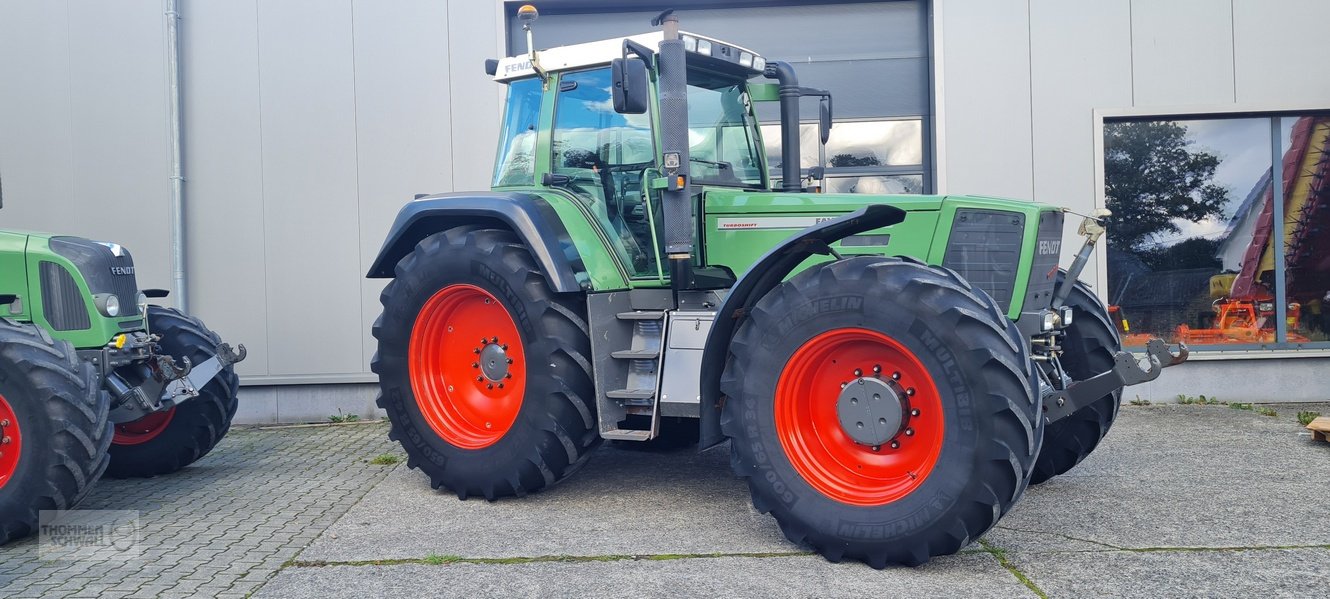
x,y
1140,402
1001,556
1305,418
1267,412
339,417
443,560
1240,406
385,459
1199,400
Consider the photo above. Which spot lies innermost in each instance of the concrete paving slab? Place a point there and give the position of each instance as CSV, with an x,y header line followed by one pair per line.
x,y
622,502
970,575
1267,573
1169,476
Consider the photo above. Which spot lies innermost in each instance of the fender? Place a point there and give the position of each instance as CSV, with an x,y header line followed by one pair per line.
x,y
763,276
528,215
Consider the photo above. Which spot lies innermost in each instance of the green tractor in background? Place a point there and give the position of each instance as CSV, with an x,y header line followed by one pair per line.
x,y
94,379
891,372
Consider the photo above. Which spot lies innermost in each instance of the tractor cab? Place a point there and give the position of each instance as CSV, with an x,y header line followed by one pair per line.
x,y
594,121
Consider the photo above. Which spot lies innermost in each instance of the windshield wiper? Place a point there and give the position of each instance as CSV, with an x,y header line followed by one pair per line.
x,y
719,165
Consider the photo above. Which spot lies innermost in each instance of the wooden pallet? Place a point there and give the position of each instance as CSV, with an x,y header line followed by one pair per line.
x,y
1320,428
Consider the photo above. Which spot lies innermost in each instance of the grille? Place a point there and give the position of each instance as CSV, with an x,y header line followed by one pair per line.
x,y
62,303
985,248
1044,267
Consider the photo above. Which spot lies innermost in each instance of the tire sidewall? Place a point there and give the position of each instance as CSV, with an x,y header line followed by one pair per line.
x,y
36,427
959,456
438,270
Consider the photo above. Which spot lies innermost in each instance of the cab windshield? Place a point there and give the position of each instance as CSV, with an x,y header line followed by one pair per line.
x,y
722,134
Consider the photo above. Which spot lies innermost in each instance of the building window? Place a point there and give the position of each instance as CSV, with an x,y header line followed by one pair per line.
x,y
1211,246
871,156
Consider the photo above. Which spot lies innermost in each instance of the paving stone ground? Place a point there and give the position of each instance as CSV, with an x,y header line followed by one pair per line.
x,y
224,525
1179,501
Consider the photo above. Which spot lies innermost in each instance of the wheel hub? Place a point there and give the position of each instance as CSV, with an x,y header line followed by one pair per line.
x,y
871,411
494,361
11,441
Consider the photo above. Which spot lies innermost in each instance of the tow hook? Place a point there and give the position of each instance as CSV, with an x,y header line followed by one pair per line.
x,y
1126,371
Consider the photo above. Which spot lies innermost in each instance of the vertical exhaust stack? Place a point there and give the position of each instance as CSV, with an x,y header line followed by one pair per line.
x,y
676,198
783,73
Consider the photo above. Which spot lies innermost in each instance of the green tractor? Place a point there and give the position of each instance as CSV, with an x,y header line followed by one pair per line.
x,y
94,379
891,371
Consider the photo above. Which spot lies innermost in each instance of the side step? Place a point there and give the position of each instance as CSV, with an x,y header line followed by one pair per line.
x,y
628,345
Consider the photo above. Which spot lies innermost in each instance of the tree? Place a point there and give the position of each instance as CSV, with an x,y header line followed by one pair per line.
x,y
852,160
1197,252
1151,177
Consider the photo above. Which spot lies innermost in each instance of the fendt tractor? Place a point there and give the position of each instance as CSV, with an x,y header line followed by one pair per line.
x,y
891,371
94,379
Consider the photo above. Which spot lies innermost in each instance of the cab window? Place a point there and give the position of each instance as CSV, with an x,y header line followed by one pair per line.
x,y
606,156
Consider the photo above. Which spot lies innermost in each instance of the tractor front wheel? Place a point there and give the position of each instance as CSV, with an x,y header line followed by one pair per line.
x,y
484,372
54,427
881,410
163,442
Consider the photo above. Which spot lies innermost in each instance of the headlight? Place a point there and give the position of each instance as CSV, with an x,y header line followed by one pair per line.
x,y
689,43
1048,321
759,63
108,304
1065,312
142,301
704,47
745,60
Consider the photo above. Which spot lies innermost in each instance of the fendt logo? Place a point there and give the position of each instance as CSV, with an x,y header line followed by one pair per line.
x,y
122,270
1049,248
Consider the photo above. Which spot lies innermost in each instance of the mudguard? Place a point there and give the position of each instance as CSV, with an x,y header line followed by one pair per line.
x,y
763,276
527,215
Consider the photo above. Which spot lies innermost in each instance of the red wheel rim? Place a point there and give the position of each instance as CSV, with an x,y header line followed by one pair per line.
x,y
467,368
811,434
11,441
144,429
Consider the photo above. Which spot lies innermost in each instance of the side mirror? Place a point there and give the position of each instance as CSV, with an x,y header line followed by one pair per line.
x,y
824,119
629,77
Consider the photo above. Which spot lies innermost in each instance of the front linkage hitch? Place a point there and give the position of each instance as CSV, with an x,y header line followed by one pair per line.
x,y
1127,369
164,382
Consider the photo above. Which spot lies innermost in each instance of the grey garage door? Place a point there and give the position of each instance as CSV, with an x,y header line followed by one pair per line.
x,y
873,56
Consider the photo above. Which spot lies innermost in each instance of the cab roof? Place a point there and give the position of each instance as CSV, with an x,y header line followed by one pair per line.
x,y
563,58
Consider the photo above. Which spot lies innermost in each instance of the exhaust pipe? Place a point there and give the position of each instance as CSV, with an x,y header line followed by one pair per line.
x,y
783,73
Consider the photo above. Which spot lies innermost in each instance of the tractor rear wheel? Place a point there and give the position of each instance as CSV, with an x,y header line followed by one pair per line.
x,y
1088,349
54,427
881,409
163,442
485,373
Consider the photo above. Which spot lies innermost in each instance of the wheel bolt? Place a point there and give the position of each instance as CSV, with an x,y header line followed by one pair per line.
x,y
494,339
909,391
480,378
5,441
895,376
842,385
500,385
877,448
508,376
504,347
909,432
475,364
489,385
4,422
483,341
877,369
489,425
914,412
858,372
510,360
475,351
895,444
